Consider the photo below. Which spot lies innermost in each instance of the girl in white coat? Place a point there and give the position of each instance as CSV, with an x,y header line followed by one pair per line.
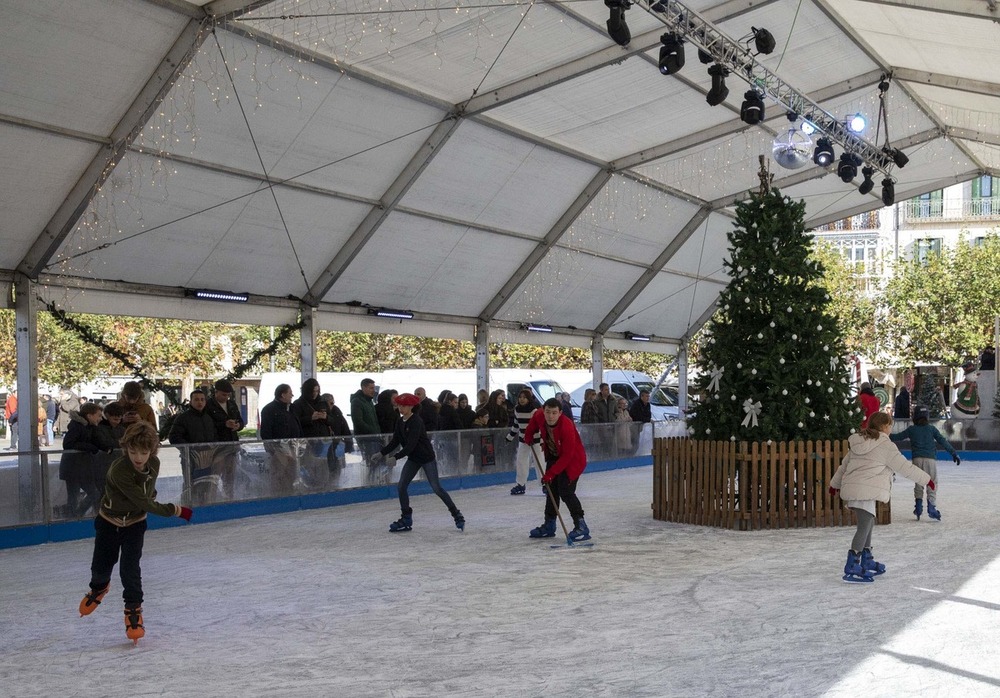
x,y
865,477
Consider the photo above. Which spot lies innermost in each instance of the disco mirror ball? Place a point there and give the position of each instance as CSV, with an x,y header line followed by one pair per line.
x,y
792,149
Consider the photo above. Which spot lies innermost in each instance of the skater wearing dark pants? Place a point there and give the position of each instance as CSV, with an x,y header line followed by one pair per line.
x,y
410,437
565,461
865,477
129,495
924,441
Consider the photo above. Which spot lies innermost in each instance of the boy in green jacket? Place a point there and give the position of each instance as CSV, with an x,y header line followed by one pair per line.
x,y
129,495
925,440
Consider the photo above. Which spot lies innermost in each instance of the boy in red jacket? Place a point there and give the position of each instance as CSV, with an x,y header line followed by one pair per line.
x,y
565,461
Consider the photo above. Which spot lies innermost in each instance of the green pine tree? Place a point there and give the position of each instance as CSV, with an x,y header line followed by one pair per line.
x,y
930,397
774,348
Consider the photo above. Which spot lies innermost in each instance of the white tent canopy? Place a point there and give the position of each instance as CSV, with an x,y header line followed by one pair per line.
x,y
499,163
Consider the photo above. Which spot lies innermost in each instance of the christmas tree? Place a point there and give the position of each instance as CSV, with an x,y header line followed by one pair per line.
x,y
773,363
930,397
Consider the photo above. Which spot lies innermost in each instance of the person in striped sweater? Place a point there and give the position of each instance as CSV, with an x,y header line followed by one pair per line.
x,y
523,410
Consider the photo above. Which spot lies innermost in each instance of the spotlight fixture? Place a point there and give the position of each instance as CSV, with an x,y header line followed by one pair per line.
x,y
807,128
763,40
823,154
704,56
888,192
637,337
717,95
867,184
617,28
752,109
389,312
856,123
671,53
538,328
897,155
847,170
207,294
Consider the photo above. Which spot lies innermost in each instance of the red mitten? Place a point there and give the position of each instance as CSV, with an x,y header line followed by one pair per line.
x,y
834,491
547,477
931,486
186,513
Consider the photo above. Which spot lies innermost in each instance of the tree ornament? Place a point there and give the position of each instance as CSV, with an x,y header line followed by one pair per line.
x,y
753,411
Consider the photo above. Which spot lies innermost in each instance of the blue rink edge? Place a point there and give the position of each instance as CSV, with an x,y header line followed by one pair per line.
x,y
57,532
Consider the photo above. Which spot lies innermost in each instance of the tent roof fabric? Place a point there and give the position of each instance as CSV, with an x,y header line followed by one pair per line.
x,y
497,163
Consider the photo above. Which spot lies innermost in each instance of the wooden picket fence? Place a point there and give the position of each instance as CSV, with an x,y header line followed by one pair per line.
x,y
750,485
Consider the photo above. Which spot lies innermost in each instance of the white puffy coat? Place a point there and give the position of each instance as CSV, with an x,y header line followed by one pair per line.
x,y
866,472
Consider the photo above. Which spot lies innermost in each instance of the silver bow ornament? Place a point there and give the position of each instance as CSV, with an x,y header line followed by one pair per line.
x,y
713,385
753,410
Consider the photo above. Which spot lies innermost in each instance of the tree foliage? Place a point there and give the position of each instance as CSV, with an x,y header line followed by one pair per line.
x,y
774,350
854,309
941,310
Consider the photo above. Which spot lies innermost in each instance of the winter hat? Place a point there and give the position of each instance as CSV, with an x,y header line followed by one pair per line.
x,y
407,399
223,386
920,413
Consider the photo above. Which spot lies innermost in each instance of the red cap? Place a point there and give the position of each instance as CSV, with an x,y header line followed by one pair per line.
x,y
408,399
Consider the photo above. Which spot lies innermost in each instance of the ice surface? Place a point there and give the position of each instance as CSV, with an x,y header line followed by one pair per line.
x,y
328,603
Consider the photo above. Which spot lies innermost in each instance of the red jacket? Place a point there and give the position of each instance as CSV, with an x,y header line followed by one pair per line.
x,y
572,458
869,406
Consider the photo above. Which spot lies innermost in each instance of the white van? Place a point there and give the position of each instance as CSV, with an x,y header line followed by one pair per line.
x,y
628,384
513,380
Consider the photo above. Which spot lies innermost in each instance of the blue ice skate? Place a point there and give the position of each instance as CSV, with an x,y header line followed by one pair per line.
x,y
405,523
546,530
933,512
580,532
853,572
918,508
868,563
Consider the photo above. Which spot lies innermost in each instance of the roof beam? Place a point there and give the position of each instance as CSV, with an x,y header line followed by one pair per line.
x,y
54,130
979,9
386,204
951,82
900,196
970,135
183,7
654,268
164,76
231,9
544,245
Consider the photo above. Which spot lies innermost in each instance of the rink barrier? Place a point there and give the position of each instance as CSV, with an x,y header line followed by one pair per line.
x,y
749,486
62,531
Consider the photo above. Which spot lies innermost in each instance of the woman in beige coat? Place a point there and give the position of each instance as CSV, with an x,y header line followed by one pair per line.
x,y
865,477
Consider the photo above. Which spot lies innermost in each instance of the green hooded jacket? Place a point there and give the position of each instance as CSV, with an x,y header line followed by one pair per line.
x,y
129,494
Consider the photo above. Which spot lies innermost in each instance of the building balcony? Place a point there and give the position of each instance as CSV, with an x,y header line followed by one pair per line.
x,y
863,221
924,211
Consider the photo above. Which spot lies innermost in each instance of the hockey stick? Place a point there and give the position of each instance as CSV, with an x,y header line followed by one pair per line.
x,y
548,491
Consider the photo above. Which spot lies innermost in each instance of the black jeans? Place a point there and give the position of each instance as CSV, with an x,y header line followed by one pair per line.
x,y
410,471
109,542
563,489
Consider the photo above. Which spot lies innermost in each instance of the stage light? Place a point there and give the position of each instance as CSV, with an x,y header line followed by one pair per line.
x,y
389,312
705,57
823,154
207,294
900,158
888,192
671,54
617,27
867,184
763,40
807,128
752,109
717,95
847,170
856,123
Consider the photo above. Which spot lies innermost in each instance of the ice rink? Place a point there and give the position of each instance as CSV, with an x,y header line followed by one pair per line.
x,y
328,603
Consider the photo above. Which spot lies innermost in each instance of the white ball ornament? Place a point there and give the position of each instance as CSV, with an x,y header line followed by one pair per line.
x,y
732,438
772,323
819,382
732,397
830,389
826,348
819,327
781,361
753,371
801,425
812,414
788,309
747,299
739,365
784,391
760,335
795,336
707,430
809,381
807,401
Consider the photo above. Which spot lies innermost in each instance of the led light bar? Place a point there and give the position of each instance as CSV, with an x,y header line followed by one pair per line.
x,y
538,328
389,312
207,294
